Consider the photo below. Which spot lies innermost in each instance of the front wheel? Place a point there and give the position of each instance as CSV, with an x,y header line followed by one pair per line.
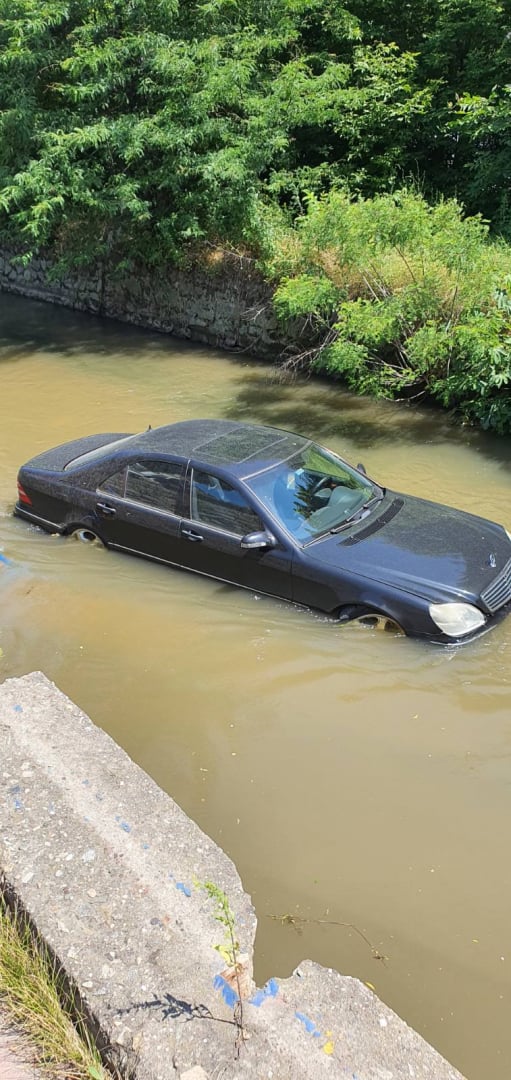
x,y
375,620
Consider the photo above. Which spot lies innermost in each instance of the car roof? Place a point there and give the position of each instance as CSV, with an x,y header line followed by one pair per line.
x,y
243,448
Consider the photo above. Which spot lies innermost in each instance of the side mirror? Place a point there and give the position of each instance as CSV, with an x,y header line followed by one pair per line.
x,y
361,468
258,541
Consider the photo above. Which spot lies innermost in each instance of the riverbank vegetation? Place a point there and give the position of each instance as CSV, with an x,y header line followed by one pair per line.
x,y
359,152
29,992
402,299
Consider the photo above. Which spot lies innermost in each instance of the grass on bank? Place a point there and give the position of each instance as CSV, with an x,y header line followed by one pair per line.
x,y
29,981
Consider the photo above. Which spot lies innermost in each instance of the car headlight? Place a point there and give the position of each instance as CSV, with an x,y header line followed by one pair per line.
x,y
455,620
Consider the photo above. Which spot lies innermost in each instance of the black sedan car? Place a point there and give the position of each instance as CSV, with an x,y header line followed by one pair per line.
x,y
274,512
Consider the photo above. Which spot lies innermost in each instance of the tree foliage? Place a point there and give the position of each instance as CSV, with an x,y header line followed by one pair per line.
x,y
138,129
404,299
146,124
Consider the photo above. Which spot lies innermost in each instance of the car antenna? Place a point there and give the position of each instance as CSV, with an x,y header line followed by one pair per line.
x,y
149,427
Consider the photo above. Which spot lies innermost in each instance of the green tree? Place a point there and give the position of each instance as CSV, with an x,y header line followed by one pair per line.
x,y
484,125
141,127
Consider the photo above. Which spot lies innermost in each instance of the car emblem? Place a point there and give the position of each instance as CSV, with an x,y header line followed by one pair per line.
x,y
492,560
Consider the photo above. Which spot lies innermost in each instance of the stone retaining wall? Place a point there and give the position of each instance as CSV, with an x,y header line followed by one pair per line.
x,y
111,874
224,303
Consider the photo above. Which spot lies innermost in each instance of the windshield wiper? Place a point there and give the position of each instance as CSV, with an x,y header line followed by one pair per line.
x,y
361,512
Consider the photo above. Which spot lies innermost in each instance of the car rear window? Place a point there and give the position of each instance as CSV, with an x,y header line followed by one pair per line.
x,y
96,455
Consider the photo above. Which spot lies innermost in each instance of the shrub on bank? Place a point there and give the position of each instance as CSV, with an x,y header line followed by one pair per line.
x,y
401,299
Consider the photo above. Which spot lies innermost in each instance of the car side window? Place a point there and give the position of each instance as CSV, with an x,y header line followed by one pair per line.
x,y
215,502
155,483
115,484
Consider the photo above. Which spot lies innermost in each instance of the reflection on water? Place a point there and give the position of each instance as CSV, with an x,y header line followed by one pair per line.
x,y
354,777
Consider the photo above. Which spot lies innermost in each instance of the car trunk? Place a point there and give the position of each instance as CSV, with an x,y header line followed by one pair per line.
x,y
55,460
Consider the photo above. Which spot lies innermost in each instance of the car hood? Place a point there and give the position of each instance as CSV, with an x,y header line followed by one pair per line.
x,y
421,547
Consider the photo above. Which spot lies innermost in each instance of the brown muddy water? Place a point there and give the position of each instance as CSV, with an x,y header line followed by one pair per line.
x,y
353,776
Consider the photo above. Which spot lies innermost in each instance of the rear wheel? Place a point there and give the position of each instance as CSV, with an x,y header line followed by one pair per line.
x,y
85,535
375,620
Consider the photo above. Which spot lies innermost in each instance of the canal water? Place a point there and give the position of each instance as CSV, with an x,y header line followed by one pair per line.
x,y
360,781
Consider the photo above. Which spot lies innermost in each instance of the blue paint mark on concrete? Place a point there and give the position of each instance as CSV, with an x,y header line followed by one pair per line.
x,y
258,998
270,989
122,824
86,783
18,708
145,847
183,888
99,796
308,1024
15,791
229,995
5,560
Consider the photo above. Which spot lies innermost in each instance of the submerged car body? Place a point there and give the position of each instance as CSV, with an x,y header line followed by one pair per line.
x,y
276,513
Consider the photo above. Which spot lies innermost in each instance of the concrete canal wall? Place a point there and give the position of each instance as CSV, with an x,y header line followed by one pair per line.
x,y
223,302
111,873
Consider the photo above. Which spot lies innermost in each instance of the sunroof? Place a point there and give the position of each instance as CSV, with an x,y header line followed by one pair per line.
x,y
239,445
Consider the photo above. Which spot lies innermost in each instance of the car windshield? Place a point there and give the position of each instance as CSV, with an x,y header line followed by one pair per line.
x,y
313,492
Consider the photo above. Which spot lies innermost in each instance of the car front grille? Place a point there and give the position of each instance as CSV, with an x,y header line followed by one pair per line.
x,y
499,592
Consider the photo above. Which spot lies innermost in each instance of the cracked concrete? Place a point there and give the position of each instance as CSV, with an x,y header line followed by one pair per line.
x,y
109,869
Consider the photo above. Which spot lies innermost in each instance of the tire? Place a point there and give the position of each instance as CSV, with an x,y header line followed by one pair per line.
x,y
85,535
374,620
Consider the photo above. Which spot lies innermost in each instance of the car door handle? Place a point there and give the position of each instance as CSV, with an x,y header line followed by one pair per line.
x,y
191,535
107,511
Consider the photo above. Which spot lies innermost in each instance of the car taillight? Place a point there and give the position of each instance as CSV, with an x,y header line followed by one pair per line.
x,y
22,495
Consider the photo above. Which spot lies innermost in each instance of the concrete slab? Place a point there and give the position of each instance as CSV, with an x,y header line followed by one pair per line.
x,y
111,872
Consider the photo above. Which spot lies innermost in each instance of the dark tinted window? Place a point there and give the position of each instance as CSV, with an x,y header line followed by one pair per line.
x,y
114,484
214,502
155,483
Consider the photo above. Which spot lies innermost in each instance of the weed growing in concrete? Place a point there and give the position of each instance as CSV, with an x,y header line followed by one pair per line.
x,y
29,981
229,950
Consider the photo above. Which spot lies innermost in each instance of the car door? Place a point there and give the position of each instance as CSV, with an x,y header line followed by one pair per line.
x,y
138,509
216,515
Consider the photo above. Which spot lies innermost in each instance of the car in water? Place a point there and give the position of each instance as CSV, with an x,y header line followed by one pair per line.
x,y
274,512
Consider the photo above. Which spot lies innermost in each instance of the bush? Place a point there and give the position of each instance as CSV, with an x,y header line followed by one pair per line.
x,y
405,298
